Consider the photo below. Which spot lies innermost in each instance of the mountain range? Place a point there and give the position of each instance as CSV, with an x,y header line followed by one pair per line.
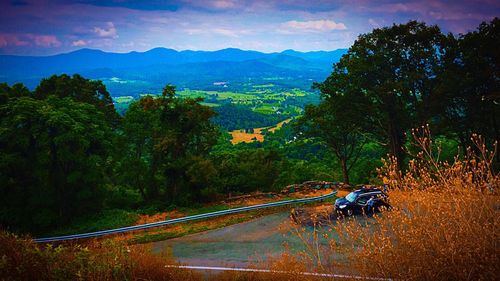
x,y
133,72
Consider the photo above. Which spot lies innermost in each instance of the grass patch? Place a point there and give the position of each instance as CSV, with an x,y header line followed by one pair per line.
x,y
263,86
107,219
123,99
210,104
186,230
204,209
189,228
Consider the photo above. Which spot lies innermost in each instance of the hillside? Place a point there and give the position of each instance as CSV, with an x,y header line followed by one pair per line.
x,y
125,73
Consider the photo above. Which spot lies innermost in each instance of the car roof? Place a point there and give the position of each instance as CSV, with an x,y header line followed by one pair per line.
x,y
367,190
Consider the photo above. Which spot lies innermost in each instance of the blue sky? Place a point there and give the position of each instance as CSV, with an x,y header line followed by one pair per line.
x,y
49,27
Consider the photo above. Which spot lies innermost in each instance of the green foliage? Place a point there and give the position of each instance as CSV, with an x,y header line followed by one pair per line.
x,y
247,170
53,158
293,172
234,117
106,219
167,139
470,85
395,69
123,197
337,122
16,91
81,90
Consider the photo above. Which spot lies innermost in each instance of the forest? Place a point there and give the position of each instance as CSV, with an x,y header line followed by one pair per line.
x,y
66,153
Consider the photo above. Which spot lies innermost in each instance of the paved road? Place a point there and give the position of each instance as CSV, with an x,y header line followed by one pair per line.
x,y
183,219
238,245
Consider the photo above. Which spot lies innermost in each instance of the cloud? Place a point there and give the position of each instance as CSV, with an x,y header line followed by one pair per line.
x,y
217,31
46,40
7,39
223,4
78,43
225,32
28,39
108,31
311,26
214,4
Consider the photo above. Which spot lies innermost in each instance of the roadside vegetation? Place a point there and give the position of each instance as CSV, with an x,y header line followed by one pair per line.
x,y
443,225
443,211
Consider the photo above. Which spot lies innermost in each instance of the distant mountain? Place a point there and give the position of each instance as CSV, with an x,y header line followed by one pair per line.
x,y
162,65
317,55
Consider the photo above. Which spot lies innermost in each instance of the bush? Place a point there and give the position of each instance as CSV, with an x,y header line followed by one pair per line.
x,y
122,197
22,259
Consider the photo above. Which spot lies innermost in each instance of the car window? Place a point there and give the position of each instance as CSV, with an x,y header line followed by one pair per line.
x,y
351,197
362,200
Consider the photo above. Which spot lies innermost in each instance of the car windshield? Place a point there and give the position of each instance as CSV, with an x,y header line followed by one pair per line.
x,y
351,197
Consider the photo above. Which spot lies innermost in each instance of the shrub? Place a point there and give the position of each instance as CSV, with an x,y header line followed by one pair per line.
x,y
22,259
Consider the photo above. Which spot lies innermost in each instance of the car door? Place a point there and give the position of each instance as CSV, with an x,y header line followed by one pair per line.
x,y
361,202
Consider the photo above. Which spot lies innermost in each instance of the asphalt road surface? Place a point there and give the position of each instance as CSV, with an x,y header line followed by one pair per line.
x,y
238,245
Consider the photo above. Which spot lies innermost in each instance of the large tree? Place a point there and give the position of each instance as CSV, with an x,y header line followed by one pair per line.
x,y
79,89
53,159
339,121
470,86
167,136
395,69
15,91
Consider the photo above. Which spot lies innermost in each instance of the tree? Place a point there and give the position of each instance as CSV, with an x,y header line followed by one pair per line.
x,y
338,121
135,167
17,90
395,68
79,89
177,135
247,170
470,86
53,159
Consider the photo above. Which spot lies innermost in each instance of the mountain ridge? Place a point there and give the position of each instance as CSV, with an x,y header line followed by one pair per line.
x,y
163,65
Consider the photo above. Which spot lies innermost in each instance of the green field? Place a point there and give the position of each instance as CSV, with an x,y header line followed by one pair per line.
x,y
262,99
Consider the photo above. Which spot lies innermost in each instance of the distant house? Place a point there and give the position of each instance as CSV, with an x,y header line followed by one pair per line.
x,y
220,83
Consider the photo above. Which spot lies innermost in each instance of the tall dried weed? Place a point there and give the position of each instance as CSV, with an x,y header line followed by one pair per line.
x,y
445,221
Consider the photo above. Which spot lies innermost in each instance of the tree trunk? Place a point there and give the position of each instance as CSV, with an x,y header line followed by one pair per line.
x,y
345,173
396,142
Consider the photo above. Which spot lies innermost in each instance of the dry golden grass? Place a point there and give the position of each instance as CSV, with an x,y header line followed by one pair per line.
x,y
444,225
22,259
239,136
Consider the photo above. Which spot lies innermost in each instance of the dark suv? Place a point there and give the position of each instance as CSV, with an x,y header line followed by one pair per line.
x,y
362,201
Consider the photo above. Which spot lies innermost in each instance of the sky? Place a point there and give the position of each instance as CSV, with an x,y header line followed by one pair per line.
x,y
43,27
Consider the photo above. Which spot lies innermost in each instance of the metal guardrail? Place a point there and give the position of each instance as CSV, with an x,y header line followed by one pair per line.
x,y
183,219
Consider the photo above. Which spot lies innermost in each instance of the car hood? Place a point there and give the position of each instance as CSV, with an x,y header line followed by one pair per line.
x,y
341,201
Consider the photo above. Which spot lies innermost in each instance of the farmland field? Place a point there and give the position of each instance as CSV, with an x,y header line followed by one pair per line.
x,y
267,104
257,134
248,115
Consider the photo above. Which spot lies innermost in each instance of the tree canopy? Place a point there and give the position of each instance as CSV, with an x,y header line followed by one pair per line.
x,y
54,156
